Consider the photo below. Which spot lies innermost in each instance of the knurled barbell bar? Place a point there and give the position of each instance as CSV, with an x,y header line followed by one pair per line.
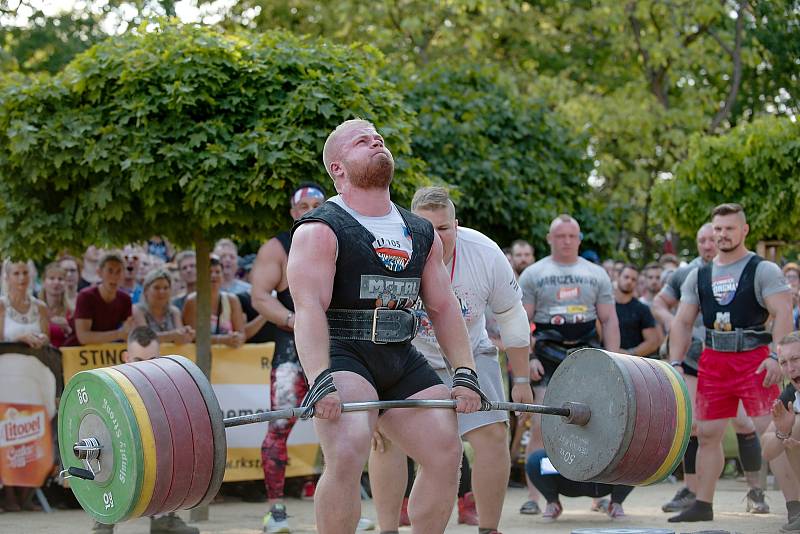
x,y
148,437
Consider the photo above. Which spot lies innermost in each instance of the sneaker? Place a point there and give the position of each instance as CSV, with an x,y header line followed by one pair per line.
x,y
615,511
755,501
170,524
552,511
792,526
365,523
467,513
682,500
599,505
405,521
275,520
530,508
102,528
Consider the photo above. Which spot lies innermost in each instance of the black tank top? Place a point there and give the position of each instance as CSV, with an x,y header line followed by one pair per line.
x,y
362,281
284,297
743,311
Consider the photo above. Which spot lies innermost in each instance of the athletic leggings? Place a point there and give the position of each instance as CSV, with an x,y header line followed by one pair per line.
x,y
551,486
287,388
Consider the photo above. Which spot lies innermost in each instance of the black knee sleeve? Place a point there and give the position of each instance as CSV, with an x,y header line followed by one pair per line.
x,y
690,457
749,451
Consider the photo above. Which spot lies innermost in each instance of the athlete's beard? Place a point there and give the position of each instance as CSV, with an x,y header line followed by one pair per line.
x,y
728,247
376,173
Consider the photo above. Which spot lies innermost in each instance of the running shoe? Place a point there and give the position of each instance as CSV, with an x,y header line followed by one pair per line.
x,y
615,511
755,501
467,513
170,524
682,500
792,526
365,524
276,520
552,511
530,508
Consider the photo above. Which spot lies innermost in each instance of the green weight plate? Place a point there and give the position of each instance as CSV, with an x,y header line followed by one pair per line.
x,y
93,405
217,426
593,377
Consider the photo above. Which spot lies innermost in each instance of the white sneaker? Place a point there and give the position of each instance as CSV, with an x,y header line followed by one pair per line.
x,y
365,524
275,520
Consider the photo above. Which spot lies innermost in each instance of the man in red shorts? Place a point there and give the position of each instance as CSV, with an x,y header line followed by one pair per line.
x,y
735,294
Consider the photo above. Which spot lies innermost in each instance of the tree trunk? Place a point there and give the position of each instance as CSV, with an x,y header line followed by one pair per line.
x,y
203,332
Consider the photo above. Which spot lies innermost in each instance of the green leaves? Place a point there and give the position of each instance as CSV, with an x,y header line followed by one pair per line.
x,y
178,129
755,164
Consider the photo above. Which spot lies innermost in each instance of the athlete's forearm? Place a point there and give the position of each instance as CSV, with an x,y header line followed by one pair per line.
x,y
311,339
451,333
661,311
611,333
272,309
518,360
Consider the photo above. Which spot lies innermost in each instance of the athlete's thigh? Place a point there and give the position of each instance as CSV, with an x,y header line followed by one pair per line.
x,y
351,429
420,431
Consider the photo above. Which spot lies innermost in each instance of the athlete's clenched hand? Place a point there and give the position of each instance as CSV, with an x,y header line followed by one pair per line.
x,y
329,406
467,400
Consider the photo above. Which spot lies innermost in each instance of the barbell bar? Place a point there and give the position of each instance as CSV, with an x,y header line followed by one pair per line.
x,y
149,437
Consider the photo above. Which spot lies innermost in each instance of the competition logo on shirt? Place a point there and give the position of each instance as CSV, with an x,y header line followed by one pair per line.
x,y
389,292
724,288
391,253
568,293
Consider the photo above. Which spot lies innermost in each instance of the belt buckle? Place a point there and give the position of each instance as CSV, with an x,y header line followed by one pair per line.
x,y
375,325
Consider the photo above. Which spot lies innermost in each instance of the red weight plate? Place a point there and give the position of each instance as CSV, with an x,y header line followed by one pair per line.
x,y
670,411
182,443
161,433
637,447
650,461
201,429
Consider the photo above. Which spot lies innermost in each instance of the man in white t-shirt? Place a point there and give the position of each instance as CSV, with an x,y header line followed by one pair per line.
x,y
482,279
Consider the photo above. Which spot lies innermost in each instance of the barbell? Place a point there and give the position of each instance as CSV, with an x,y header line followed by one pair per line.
x,y
146,438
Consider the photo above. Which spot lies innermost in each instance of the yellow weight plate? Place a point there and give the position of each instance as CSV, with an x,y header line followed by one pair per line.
x,y
148,441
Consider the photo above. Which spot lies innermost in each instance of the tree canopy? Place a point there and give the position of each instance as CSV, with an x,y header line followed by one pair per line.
x,y
184,131
756,164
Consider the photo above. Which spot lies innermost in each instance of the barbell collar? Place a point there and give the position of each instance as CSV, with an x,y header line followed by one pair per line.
x,y
575,413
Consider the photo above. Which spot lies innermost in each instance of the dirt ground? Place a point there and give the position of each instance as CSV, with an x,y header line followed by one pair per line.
x,y
642,507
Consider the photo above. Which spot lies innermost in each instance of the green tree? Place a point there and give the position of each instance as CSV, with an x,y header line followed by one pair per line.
x,y
514,162
756,164
182,131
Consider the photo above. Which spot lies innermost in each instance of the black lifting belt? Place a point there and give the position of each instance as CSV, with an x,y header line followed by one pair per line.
x,y
740,340
380,325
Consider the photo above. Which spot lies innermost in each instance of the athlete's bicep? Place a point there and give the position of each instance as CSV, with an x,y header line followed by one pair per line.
x,y
311,266
268,268
505,291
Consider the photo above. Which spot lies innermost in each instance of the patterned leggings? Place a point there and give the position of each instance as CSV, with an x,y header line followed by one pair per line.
x,y
287,388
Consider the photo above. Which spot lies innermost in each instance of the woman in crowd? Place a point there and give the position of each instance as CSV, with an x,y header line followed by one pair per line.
x,y
156,311
792,273
23,319
227,318
59,306
72,277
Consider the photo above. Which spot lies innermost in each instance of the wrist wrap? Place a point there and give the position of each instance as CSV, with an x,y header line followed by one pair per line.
x,y
322,386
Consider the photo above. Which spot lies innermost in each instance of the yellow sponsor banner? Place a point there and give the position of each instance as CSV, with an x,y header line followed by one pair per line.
x,y
241,383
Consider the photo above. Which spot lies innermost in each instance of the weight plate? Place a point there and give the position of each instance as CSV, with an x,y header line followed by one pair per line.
x,y
675,428
93,405
161,434
182,443
146,434
217,425
201,429
652,460
593,377
684,403
632,458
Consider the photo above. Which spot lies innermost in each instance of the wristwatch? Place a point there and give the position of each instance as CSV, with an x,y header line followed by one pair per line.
x,y
521,380
781,436
675,363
